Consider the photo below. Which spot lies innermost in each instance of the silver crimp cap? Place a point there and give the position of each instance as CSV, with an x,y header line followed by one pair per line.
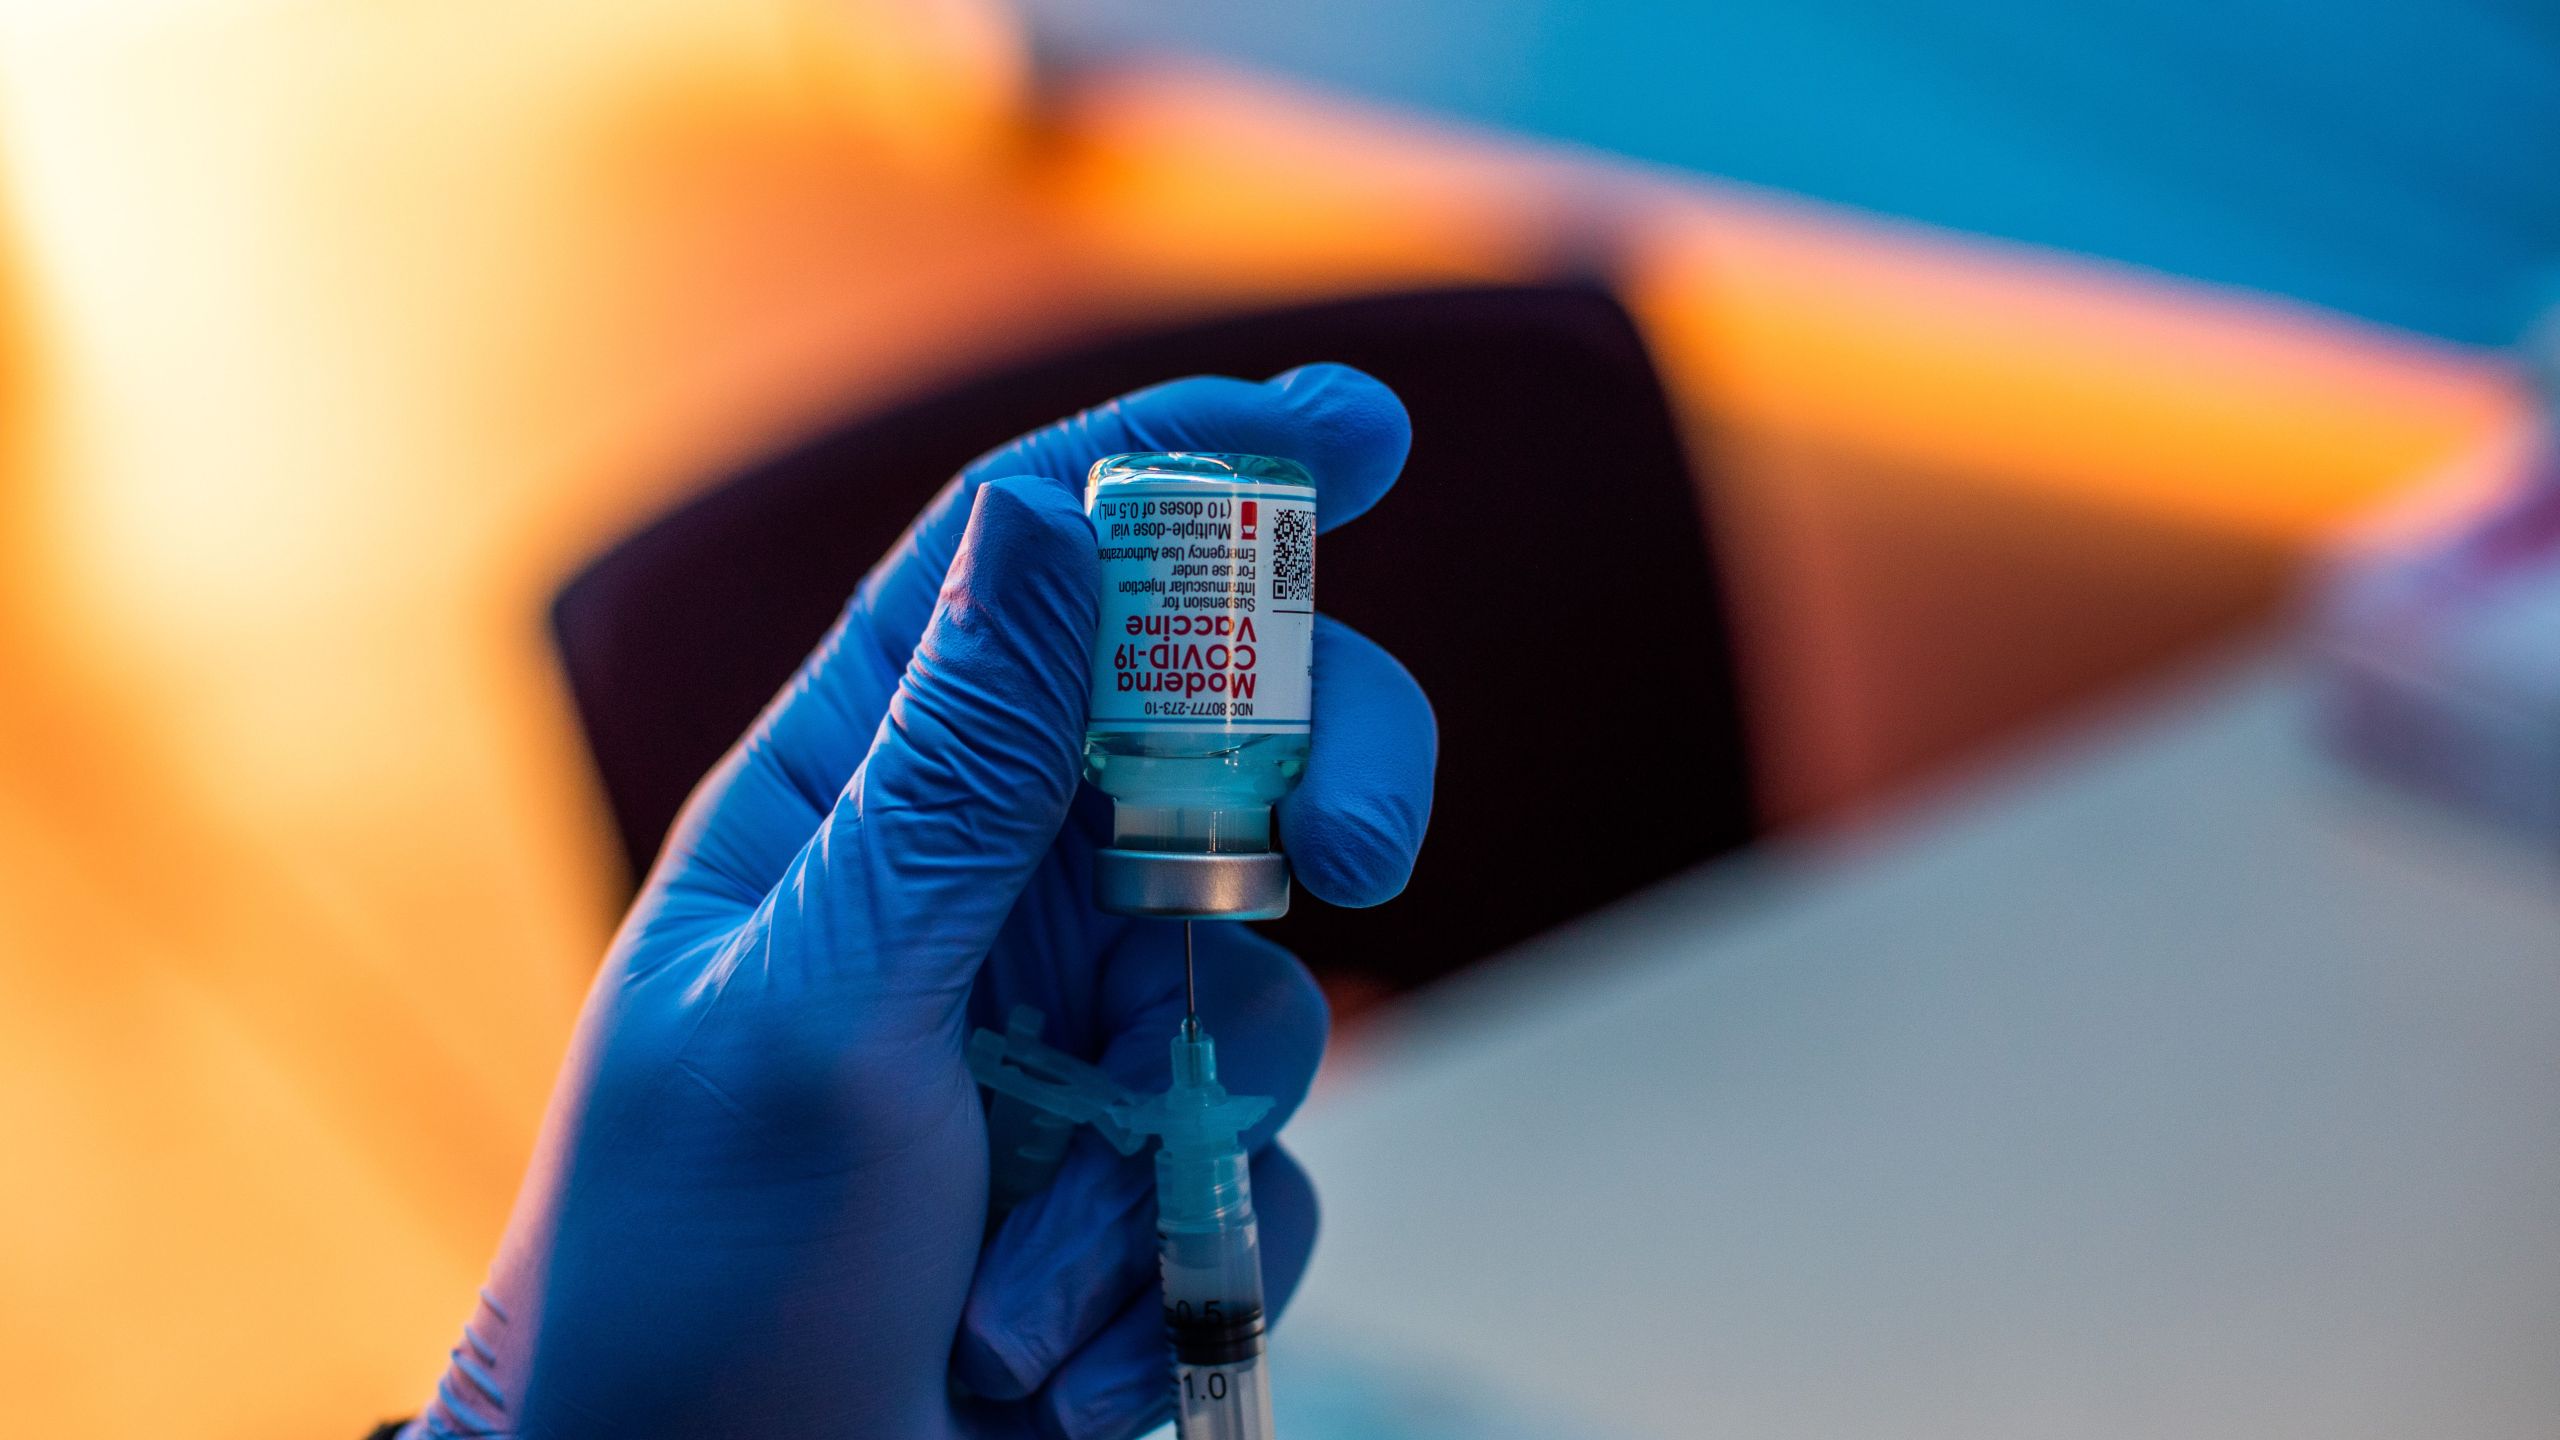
x,y
1184,885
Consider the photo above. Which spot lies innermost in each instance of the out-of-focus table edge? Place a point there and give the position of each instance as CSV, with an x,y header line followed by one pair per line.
x,y
2269,677
1467,1041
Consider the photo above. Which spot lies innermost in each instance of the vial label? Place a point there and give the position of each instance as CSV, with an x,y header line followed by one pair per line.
x,y
1208,607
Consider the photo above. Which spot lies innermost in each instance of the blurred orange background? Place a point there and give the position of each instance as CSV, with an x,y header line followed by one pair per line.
x,y
334,337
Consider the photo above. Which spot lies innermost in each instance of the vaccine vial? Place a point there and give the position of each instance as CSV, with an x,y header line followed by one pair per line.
x,y
1202,677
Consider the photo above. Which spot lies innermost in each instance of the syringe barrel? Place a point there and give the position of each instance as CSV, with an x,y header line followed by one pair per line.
x,y
1213,1312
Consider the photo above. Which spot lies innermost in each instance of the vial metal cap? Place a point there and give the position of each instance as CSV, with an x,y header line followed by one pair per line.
x,y
1186,885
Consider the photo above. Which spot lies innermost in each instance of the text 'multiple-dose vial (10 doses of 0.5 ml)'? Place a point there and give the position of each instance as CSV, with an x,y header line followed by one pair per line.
x,y
1202,677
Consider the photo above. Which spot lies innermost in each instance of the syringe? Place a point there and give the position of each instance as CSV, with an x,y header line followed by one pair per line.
x,y
1210,1248
1198,724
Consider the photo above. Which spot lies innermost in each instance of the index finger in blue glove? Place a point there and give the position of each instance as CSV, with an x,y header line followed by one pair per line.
x,y
962,784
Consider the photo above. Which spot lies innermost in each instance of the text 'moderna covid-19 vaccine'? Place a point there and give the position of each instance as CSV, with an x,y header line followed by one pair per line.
x,y
1202,677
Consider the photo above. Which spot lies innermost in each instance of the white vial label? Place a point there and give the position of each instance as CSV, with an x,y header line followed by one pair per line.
x,y
1208,607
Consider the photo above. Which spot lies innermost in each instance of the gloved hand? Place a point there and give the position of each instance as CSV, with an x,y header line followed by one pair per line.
x,y
758,1206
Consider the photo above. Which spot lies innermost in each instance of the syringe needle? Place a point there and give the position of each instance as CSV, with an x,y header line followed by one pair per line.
x,y
1190,982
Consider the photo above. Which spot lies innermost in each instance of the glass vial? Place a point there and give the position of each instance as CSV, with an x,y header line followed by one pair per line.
x,y
1202,677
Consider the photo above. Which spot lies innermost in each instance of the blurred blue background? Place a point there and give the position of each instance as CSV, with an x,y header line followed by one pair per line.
x,y
2392,159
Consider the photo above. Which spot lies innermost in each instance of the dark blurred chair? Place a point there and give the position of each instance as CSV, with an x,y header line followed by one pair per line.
x,y
1542,568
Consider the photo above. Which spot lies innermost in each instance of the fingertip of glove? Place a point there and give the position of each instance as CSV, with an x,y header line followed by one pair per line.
x,y
1024,519
1346,395
1115,1389
1354,858
1357,432
981,1362
1128,1411
1028,561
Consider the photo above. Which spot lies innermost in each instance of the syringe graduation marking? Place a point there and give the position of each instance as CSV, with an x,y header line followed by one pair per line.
x,y
1221,1338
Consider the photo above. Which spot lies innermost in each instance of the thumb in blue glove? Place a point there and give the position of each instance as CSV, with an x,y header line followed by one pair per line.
x,y
759,1205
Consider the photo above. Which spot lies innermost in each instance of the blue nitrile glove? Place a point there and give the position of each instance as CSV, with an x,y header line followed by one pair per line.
x,y
759,1204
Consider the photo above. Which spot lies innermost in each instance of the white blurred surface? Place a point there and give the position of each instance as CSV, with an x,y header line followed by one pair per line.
x,y
2173,1084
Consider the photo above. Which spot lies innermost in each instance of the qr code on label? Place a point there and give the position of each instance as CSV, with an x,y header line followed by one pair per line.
x,y
1293,555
